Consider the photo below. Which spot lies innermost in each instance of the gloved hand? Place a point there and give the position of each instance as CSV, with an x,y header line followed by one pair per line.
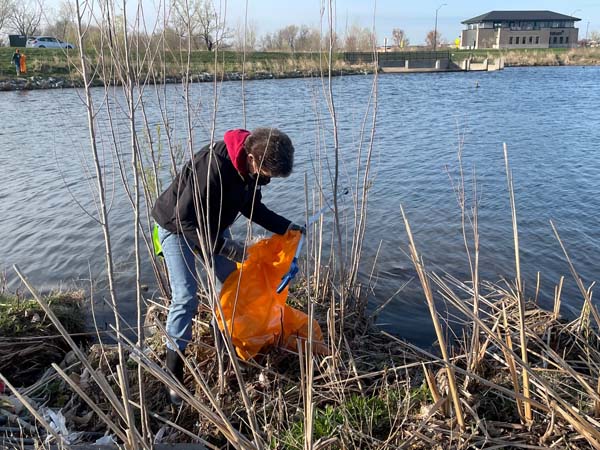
x,y
233,250
296,227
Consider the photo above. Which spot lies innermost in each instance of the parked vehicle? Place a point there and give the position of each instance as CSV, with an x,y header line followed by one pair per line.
x,y
47,42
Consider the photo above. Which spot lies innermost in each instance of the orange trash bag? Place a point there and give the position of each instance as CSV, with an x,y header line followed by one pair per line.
x,y
260,317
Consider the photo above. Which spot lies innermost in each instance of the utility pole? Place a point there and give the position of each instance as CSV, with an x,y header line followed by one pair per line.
x,y
435,27
587,28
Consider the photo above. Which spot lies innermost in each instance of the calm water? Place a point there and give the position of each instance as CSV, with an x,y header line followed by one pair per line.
x,y
549,118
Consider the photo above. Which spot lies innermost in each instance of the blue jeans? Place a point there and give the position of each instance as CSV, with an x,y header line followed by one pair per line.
x,y
183,275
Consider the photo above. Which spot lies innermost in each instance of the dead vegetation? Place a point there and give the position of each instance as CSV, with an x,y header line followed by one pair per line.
x,y
518,376
29,342
374,391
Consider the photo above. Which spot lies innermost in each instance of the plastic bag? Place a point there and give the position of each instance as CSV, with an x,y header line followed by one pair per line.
x,y
261,317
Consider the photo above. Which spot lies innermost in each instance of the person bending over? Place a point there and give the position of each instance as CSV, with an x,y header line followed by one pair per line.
x,y
195,212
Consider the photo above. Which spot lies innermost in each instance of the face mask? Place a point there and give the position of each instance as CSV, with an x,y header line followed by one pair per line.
x,y
261,180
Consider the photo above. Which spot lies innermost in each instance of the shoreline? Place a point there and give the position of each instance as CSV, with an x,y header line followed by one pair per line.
x,y
38,82
384,378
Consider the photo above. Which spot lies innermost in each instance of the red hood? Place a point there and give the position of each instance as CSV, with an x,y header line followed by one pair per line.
x,y
234,141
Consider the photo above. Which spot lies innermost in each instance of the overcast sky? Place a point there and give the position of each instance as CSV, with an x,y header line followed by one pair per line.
x,y
416,17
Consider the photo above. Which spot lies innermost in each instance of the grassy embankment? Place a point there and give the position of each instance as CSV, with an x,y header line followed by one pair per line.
x,y
59,63
534,57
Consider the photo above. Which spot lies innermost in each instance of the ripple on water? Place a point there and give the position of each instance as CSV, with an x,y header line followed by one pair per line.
x,y
547,117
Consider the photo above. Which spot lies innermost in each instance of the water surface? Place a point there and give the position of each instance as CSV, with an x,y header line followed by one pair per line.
x,y
548,117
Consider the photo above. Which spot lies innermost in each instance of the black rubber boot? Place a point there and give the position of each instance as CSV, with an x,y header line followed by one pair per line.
x,y
175,365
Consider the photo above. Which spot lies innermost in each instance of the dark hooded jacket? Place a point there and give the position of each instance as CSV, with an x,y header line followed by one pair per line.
x,y
209,193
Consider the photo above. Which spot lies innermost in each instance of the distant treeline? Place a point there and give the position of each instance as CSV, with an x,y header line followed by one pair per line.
x,y
190,24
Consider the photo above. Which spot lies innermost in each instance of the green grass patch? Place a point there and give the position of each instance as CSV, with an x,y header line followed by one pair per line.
x,y
29,341
62,63
23,317
40,62
356,416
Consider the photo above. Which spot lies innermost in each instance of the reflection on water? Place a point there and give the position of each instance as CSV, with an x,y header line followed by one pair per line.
x,y
547,116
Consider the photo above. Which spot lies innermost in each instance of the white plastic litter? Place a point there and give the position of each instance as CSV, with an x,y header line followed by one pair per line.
x,y
58,423
158,438
106,440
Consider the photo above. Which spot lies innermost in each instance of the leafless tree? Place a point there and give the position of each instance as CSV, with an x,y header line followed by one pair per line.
x,y
211,29
289,35
351,43
399,37
247,36
6,9
433,36
266,42
308,39
200,19
64,24
26,16
359,39
272,41
293,38
331,38
181,18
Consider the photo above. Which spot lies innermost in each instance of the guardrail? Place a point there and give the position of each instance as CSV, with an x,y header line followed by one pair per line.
x,y
394,57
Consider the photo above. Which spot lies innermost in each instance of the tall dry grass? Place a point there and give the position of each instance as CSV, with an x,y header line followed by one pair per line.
x,y
519,377
549,57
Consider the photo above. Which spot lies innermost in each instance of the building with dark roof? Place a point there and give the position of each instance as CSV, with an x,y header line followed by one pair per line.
x,y
520,29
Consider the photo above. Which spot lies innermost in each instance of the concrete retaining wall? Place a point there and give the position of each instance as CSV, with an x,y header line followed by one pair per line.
x,y
419,63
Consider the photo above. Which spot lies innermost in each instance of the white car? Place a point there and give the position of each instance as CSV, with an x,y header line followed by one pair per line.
x,y
47,42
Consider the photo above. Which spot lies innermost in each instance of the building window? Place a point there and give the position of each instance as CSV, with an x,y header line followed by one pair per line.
x,y
537,39
566,39
531,39
561,40
554,40
510,39
517,40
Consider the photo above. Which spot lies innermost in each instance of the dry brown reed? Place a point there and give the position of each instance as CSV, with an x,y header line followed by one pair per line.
x,y
29,342
550,57
383,393
520,376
